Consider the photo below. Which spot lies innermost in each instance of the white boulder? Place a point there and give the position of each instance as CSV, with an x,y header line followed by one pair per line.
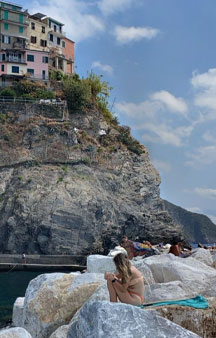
x,y
61,332
118,249
105,319
167,268
52,299
17,318
100,264
16,332
203,255
145,270
167,291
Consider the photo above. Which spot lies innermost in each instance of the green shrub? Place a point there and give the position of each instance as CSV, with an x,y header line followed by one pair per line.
x,y
8,92
32,90
77,94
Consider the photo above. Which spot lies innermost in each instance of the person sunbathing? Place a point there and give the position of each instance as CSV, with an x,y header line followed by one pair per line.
x,y
128,284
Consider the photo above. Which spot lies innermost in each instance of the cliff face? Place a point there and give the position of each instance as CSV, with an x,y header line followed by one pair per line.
x,y
197,227
66,189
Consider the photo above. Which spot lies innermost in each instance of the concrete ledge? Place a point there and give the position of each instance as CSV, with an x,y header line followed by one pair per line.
x,y
40,267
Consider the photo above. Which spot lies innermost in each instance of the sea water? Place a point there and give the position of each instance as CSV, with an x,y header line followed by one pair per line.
x,y
12,285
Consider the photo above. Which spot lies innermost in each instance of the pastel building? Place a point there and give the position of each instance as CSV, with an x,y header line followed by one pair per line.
x,y
37,65
13,40
38,32
68,51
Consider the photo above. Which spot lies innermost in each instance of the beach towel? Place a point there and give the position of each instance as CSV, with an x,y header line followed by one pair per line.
x,y
198,302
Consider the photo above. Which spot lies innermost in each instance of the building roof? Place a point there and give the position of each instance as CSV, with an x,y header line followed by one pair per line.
x,y
65,38
38,16
11,3
55,21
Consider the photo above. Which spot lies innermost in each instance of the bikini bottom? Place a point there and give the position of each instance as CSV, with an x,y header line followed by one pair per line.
x,y
137,294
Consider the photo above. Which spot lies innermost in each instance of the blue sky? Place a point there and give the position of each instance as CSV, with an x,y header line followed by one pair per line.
x,y
160,57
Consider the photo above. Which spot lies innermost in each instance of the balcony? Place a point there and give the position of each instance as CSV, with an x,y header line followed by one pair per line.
x,y
19,45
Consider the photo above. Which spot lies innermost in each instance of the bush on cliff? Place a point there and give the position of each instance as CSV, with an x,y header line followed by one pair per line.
x,y
33,90
8,92
77,93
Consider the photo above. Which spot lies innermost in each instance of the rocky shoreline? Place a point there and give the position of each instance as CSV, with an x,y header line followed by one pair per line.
x,y
75,305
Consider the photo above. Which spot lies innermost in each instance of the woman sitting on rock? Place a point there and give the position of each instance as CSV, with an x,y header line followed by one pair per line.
x,y
128,284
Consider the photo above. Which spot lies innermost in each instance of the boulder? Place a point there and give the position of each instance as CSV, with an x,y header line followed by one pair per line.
x,y
17,318
52,299
100,264
118,249
16,332
203,255
201,322
105,319
167,268
61,332
145,270
167,291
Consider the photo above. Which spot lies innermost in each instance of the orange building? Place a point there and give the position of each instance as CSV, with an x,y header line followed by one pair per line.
x,y
68,52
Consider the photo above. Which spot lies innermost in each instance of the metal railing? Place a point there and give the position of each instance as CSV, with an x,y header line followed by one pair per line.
x,y
11,99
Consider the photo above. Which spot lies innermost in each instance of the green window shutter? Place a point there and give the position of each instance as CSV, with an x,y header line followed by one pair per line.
x,y
6,26
21,29
6,15
2,4
21,18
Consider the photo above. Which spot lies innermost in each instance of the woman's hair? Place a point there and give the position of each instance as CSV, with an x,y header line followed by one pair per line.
x,y
123,266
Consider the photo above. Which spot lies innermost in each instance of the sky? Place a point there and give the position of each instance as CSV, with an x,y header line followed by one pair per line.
x,y
160,58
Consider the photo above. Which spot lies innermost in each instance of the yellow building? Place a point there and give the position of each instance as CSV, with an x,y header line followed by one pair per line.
x,y
38,33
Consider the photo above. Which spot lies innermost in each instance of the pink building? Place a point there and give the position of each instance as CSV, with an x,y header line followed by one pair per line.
x,y
37,64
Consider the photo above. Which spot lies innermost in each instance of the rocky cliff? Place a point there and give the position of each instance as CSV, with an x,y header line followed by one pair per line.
x,y
197,227
75,186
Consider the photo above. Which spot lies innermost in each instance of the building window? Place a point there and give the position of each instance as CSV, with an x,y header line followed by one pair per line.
x,y
30,57
6,39
43,29
43,74
3,57
6,15
43,43
63,44
15,69
33,39
51,37
21,18
2,4
21,29
45,59
60,29
6,26
58,41
54,28
50,25
30,71
2,68
33,25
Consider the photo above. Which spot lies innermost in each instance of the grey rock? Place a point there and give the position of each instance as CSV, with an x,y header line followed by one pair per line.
x,y
16,332
105,319
17,318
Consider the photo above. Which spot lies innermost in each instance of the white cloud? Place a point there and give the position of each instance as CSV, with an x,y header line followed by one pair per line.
x,y
205,91
162,166
208,137
203,155
79,23
126,35
206,192
145,109
154,118
172,103
105,68
108,7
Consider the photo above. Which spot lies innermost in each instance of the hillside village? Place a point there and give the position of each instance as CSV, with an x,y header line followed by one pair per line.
x,y
31,46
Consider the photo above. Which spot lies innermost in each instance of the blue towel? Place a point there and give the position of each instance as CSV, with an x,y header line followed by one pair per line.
x,y
198,302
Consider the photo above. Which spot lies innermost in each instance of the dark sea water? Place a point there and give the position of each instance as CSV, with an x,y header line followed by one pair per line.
x,y
12,285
